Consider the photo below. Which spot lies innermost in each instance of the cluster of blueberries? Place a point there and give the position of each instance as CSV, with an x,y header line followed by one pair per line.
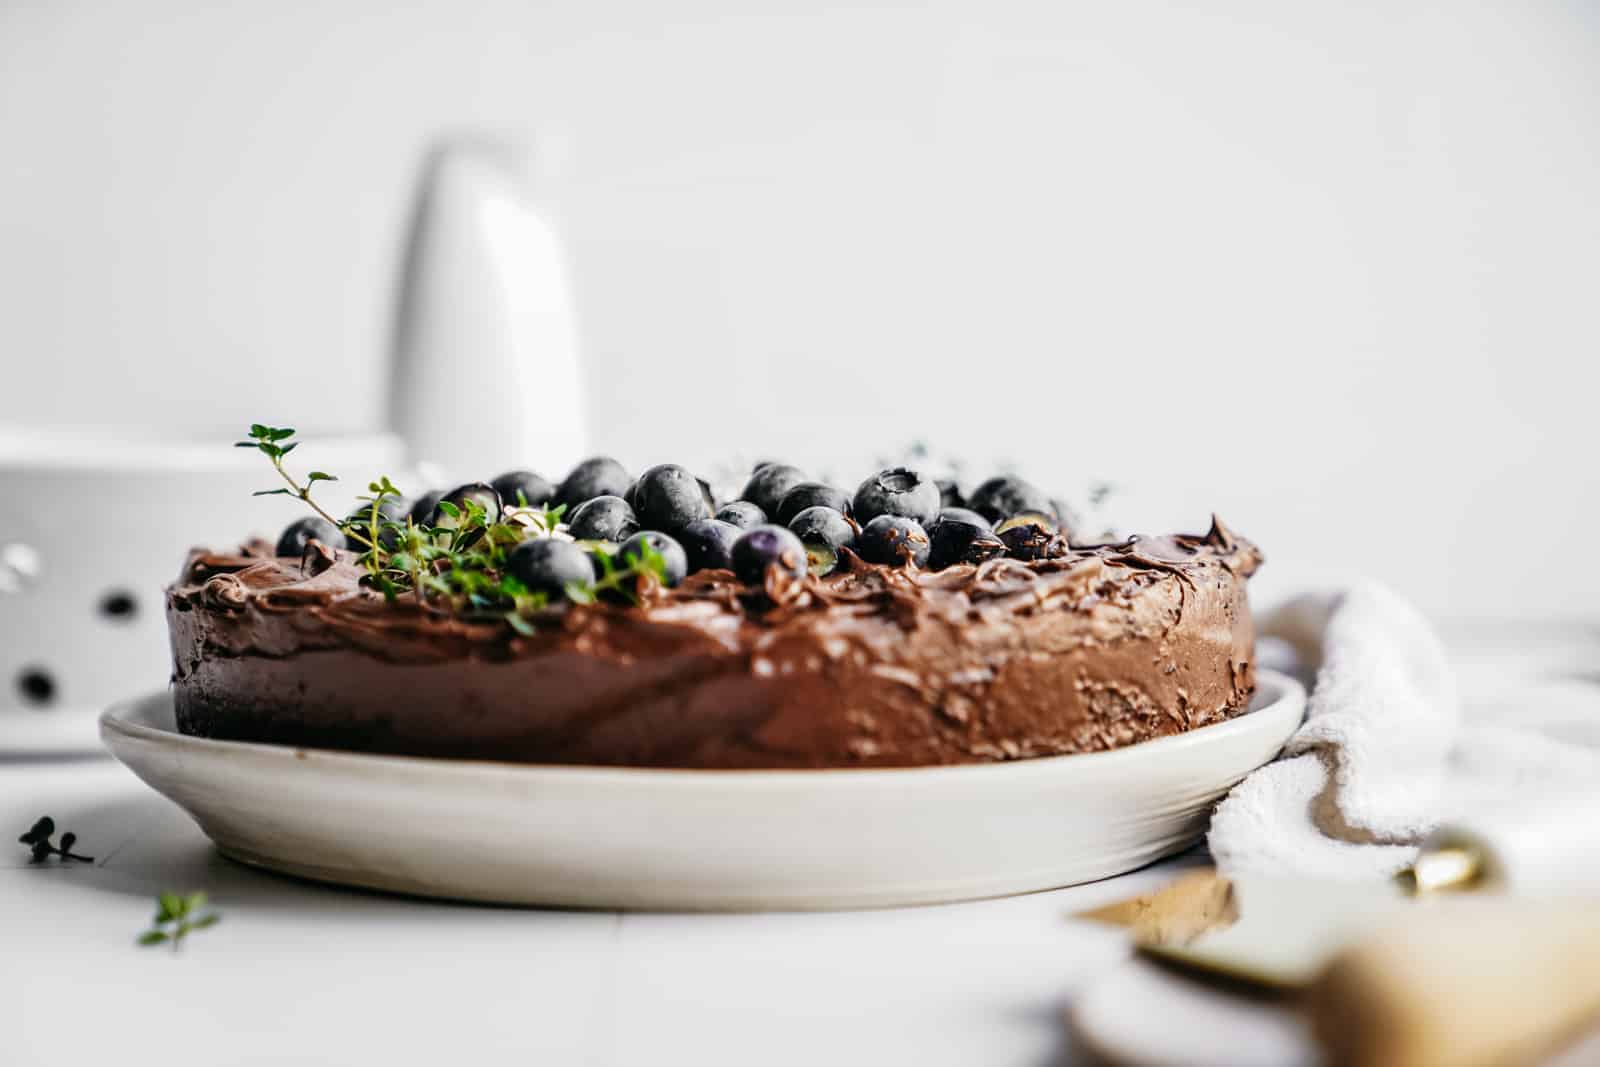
x,y
781,519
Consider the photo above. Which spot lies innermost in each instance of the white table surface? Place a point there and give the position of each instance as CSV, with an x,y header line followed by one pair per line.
x,y
309,974
304,973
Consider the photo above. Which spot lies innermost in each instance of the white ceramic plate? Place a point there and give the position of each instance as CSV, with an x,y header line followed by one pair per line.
x,y
734,840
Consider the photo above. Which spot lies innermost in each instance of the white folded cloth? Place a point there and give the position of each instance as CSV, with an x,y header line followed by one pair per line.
x,y
1389,752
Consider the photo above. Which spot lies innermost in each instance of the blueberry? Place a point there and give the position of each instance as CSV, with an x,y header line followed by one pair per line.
x,y
897,491
769,483
894,540
605,518
479,493
761,548
672,554
422,507
964,514
742,513
823,531
956,538
600,476
811,495
391,509
709,544
301,532
520,489
548,566
668,498
1003,497
950,493
1030,540
632,492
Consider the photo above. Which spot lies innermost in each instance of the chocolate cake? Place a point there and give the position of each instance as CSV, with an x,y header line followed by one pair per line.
x,y
871,658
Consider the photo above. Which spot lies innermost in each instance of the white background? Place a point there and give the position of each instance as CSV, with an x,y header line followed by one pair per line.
x,y
1330,270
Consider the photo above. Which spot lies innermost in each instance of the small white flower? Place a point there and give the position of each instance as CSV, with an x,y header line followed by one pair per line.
x,y
533,520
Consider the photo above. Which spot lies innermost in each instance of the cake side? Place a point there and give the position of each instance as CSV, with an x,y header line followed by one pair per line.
x,y
873,665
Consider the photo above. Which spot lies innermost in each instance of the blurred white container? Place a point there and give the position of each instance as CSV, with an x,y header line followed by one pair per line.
x,y
485,370
92,529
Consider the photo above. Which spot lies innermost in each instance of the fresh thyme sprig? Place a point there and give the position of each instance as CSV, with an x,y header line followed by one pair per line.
x,y
38,841
460,566
619,579
177,916
269,441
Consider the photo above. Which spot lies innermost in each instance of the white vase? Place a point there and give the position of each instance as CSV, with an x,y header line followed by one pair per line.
x,y
484,380
485,374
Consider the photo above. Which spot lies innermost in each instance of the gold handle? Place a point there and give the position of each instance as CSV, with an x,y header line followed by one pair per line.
x,y
1446,867
1468,982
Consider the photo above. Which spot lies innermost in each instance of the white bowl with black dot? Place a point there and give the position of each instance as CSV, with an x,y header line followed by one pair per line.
x,y
92,529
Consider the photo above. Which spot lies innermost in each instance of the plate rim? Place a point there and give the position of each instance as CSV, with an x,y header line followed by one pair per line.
x,y
120,724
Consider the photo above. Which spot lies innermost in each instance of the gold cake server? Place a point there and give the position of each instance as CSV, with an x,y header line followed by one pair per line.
x,y
1436,968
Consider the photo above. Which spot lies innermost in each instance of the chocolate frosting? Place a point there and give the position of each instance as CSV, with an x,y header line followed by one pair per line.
x,y
1092,648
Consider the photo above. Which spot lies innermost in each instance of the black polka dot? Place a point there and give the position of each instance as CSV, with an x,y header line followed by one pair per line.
x,y
119,604
36,686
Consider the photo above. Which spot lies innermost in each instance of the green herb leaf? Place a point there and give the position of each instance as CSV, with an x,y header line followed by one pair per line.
x,y
458,567
41,848
177,915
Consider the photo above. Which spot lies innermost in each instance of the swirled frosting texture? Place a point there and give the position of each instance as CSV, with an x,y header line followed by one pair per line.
x,y
1098,647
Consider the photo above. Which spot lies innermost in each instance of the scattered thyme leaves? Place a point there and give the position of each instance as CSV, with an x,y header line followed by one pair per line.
x,y
178,915
38,841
